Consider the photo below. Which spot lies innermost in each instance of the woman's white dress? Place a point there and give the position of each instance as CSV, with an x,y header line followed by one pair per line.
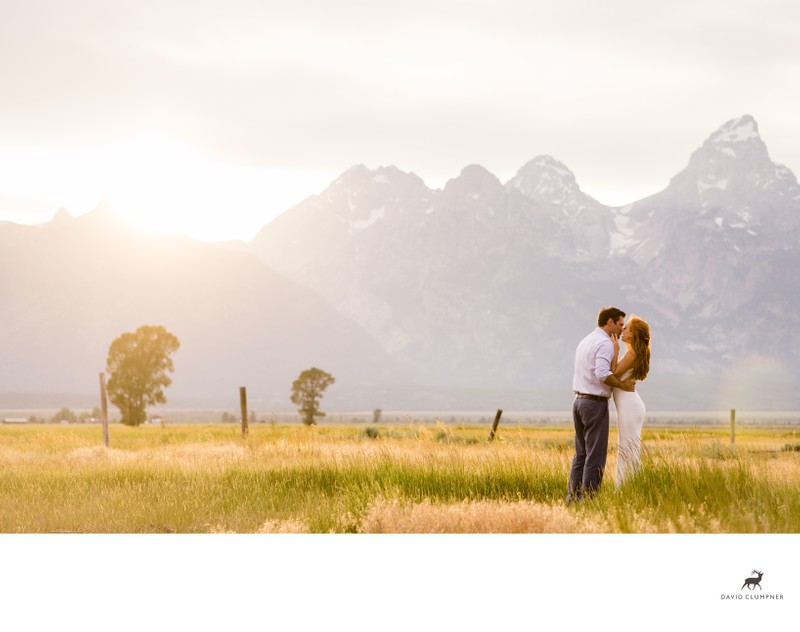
x,y
630,419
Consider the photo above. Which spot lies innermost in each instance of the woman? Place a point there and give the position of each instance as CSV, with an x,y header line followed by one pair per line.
x,y
635,364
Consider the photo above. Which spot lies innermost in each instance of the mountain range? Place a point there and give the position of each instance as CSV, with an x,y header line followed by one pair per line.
x,y
472,296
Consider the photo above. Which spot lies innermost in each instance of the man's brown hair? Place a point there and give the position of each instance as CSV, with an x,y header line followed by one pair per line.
x,y
609,312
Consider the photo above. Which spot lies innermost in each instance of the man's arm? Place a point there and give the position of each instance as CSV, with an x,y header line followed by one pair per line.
x,y
615,382
602,368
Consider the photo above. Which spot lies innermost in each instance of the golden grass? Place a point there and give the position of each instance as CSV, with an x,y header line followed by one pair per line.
x,y
410,479
483,516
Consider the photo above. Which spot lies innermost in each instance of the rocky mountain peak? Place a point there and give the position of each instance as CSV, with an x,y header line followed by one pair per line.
x,y
544,176
360,176
736,199
548,183
736,130
475,174
735,142
476,183
61,217
360,199
733,161
548,180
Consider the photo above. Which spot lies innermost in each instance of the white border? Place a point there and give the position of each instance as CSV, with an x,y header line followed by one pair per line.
x,y
394,582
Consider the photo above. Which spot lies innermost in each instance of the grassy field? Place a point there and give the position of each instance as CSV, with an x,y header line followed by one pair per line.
x,y
414,478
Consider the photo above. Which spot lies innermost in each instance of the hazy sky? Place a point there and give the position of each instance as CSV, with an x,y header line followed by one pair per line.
x,y
211,117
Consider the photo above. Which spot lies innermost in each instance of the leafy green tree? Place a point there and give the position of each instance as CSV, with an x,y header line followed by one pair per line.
x,y
307,390
137,365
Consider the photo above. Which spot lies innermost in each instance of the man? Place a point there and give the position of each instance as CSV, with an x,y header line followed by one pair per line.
x,y
592,382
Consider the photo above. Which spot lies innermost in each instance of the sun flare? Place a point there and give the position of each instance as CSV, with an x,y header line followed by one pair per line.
x,y
162,186
159,185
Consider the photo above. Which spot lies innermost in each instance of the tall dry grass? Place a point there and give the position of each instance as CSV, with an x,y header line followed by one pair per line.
x,y
415,478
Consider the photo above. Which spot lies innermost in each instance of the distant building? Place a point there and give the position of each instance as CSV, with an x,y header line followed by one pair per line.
x,y
155,420
15,420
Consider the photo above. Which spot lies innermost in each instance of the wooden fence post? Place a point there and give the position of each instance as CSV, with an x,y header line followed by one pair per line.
x,y
243,405
104,408
495,424
733,425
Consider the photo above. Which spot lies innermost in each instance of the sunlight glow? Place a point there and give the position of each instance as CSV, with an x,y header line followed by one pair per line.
x,y
162,186
157,184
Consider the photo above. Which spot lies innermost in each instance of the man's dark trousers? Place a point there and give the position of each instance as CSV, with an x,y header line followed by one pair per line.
x,y
590,417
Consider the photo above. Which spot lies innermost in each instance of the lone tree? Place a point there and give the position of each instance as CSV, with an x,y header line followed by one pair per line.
x,y
307,390
137,365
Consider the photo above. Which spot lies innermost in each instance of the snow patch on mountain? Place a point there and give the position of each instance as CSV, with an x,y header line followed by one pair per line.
x,y
736,131
623,239
375,215
721,184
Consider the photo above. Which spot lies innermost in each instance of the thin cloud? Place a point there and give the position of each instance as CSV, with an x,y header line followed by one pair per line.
x,y
621,92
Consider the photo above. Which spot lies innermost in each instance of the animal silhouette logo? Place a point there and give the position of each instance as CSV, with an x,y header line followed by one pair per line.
x,y
752,582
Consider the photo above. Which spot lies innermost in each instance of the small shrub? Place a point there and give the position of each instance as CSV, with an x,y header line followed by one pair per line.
x,y
791,448
371,433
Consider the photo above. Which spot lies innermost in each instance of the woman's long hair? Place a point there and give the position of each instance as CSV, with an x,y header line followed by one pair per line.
x,y
640,341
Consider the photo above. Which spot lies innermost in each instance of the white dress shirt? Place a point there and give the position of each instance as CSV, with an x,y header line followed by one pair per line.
x,y
593,364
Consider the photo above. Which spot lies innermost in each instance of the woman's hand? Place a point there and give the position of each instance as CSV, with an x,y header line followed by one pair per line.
x,y
615,356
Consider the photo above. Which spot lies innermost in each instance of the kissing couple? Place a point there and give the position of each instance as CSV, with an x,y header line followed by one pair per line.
x,y
600,374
